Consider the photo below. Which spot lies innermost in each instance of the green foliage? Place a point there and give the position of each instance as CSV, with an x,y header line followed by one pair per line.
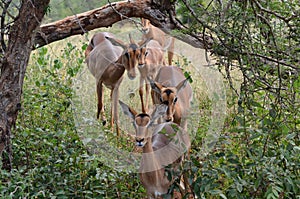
x,y
59,9
257,155
184,63
50,160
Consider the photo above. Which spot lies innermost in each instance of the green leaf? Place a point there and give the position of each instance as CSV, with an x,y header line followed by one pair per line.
x,y
239,187
37,83
57,64
272,113
256,104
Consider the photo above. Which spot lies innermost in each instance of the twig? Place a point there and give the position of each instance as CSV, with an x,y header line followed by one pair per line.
x,y
136,23
2,23
266,58
269,11
78,21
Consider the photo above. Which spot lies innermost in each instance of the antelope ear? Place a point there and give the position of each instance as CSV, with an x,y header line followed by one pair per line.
x,y
116,42
143,44
159,110
182,84
130,112
155,85
142,20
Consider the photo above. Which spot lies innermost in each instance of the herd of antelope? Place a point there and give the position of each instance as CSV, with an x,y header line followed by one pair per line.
x,y
160,128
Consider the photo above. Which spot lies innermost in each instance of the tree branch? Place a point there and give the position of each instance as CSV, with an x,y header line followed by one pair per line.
x,y
84,22
2,24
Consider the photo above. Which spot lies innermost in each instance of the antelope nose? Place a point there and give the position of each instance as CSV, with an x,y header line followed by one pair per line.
x,y
168,118
139,142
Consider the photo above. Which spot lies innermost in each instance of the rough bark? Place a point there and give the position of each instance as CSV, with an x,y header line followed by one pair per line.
x,y
13,68
160,12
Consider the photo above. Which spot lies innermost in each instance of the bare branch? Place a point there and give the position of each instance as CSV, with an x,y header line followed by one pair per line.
x,y
97,18
2,25
270,11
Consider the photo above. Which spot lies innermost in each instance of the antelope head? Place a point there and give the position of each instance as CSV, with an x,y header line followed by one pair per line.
x,y
145,25
142,57
168,96
143,52
143,122
130,55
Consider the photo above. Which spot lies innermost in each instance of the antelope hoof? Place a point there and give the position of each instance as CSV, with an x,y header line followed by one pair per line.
x,y
103,122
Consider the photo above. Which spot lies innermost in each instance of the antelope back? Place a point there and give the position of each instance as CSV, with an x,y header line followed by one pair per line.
x,y
96,39
169,144
102,55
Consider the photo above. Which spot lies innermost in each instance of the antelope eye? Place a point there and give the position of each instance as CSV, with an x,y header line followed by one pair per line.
x,y
146,53
175,100
127,55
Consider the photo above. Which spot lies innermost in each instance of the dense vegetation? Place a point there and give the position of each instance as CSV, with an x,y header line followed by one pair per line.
x,y
49,157
257,154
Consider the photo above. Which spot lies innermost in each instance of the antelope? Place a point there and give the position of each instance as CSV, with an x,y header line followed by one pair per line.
x,y
163,144
150,31
107,59
149,62
172,89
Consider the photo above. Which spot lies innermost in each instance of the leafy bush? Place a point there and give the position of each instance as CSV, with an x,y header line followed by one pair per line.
x,y
257,155
50,160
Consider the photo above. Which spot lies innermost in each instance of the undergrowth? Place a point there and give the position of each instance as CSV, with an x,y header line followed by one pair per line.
x,y
256,155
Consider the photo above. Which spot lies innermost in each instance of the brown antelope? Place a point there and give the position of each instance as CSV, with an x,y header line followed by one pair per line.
x,y
107,59
163,144
150,31
149,62
171,88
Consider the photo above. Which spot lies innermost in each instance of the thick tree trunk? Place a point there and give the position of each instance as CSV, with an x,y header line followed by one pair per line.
x,y
13,68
